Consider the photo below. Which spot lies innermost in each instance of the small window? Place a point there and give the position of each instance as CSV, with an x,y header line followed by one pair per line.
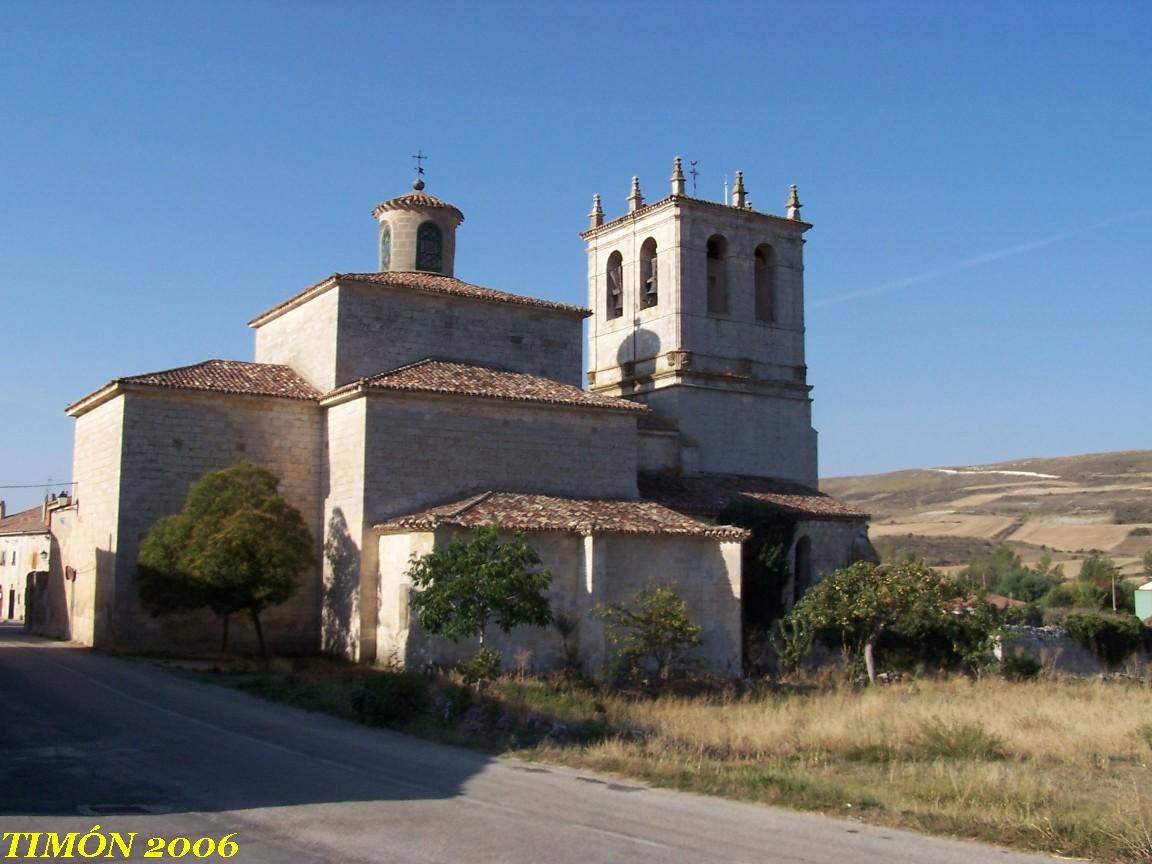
x,y
717,275
429,247
385,247
615,285
649,275
765,283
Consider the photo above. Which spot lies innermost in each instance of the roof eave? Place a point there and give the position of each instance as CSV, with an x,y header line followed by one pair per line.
x,y
589,233
96,398
297,300
363,388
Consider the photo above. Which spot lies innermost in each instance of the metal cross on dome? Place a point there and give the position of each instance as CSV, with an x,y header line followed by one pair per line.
x,y
694,174
419,157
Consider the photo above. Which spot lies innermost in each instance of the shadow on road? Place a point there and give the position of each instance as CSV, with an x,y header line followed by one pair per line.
x,y
87,733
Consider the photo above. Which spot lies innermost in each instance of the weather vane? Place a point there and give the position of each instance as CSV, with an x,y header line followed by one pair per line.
x,y
694,174
418,183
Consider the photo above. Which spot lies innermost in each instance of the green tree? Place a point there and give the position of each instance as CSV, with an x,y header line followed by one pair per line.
x,y
865,599
466,585
653,625
1112,638
235,546
1102,572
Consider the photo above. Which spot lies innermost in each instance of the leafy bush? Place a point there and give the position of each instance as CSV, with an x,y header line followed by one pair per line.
x,y
1020,667
1112,638
392,698
654,627
865,600
1075,595
484,666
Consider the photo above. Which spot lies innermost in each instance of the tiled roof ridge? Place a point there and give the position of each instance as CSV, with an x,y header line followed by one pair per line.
x,y
28,521
517,386
280,381
566,514
710,493
418,280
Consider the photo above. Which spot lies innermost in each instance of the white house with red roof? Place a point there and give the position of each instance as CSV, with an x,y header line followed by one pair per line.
x,y
403,407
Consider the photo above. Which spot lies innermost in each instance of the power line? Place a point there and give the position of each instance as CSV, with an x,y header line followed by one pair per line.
x,y
41,485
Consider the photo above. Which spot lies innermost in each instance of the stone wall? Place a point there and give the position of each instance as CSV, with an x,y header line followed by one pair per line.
x,y
732,432
88,538
304,338
345,532
384,327
170,440
586,572
425,450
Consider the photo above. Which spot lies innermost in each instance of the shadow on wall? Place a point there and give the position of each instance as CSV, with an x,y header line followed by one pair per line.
x,y
640,348
46,611
341,582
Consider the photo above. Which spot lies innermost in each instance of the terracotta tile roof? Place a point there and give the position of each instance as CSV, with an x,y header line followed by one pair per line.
x,y
522,512
680,199
708,494
416,200
218,376
25,522
431,283
461,379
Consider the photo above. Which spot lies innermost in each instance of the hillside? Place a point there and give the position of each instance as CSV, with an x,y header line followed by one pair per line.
x,y
1067,506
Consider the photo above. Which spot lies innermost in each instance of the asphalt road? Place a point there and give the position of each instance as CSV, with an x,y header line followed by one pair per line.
x,y
93,740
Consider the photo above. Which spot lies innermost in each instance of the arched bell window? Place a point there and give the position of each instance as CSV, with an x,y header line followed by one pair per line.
x,y
765,283
614,298
649,275
717,274
429,247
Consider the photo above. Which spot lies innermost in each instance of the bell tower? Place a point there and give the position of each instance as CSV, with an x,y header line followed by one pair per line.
x,y
698,312
417,232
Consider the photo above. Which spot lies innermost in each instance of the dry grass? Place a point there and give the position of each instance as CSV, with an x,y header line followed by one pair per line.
x,y
1060,767
1057,766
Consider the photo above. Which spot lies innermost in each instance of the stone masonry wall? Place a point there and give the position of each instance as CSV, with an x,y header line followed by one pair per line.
x,y
586,573
382,328
305,339
742,433
345,532
88,540
172,439
427,450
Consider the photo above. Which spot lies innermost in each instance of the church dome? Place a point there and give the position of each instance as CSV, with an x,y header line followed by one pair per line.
x,y
417,232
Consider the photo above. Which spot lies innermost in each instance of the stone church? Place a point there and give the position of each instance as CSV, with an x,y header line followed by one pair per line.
x,y
403,407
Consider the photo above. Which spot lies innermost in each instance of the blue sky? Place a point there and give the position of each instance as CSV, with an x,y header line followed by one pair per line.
x,y
979,176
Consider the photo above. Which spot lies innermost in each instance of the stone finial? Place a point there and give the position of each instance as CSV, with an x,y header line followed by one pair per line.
x,y
418,185
596,217
677,177
635,199
738,191
794,204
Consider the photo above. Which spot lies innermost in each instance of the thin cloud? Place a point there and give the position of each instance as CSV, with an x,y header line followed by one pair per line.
x,y
977,261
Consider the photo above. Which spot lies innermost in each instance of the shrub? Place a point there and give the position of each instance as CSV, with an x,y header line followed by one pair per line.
x,y
941,739
392,698
654,626
1020,667
1070,595
1112,638
484,666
